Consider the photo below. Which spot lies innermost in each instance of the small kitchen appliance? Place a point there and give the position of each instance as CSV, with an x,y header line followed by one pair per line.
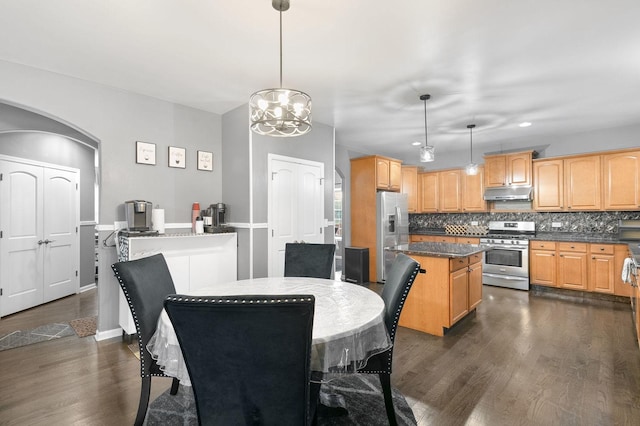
x,y
506,261
138,215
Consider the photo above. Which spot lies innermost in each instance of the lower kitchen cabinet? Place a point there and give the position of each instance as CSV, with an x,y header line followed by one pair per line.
x,y
542,264
572,266
601,268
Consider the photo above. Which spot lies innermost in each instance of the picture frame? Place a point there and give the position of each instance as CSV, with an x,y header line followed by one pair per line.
x,y
205,161
177,157
145,153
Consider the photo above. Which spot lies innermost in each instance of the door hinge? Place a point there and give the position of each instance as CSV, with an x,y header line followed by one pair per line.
x,y
76,186
272,233
1,175
76,272
0,234
0,292
76,229
321,230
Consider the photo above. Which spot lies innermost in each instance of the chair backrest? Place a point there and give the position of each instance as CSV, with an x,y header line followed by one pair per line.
x,y
248,357
146,282
308,260
401,276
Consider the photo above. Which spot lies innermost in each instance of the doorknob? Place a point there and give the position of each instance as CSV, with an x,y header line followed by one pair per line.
x,y
40,242
47,241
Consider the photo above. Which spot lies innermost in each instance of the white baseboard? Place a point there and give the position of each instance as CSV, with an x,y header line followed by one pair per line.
x,y
109,334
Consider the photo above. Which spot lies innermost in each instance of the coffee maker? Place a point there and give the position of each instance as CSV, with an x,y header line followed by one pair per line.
x,y
138,214
219,210
214,220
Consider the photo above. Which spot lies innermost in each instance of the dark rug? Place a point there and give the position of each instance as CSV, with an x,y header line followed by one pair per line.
x,y
361,393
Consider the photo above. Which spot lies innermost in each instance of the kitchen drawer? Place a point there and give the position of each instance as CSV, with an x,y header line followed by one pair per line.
x,y
475,258
601,248
467,240
577,247
458,263
542,245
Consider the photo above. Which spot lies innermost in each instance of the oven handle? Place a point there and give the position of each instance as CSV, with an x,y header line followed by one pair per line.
x,y
520,248
505,277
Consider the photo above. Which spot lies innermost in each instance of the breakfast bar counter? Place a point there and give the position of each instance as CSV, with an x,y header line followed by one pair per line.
x,y
448,288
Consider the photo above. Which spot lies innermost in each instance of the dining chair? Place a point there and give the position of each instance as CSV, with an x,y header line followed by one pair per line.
x,y
248,357
308,260
401,276
145,283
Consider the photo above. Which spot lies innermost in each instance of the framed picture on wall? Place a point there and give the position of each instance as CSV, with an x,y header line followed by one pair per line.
x,y
177,157
145,153
205,160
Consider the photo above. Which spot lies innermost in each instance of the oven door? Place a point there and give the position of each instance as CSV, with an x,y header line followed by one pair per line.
x,y
507,260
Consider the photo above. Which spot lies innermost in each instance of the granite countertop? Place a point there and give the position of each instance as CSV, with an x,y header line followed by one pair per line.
x,y
449,250
544,236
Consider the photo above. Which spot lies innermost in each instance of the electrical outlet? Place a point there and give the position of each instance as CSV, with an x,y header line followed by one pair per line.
x,y
474,223
556,224
120,225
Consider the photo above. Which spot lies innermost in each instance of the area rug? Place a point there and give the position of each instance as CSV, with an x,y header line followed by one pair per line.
x,y
43,333
84,326
361,392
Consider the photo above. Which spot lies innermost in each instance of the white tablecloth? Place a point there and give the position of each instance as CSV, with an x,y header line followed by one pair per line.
x,y
348,325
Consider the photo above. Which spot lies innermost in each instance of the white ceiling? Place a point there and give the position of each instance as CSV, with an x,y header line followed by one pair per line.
x,y
566,66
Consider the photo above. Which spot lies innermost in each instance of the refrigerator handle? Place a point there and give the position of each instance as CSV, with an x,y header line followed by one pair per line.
x,y
398,216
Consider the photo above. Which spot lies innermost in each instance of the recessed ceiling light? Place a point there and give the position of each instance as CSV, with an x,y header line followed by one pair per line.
x,y
416,143
525,124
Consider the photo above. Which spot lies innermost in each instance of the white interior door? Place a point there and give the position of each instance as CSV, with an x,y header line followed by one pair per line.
x,y
39,244
21,253
61,238
296,206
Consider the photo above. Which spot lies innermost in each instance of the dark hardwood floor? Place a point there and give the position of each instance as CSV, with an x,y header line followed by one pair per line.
x,y
520,359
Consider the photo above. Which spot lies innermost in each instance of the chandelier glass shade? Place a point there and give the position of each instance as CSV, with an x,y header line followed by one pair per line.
x,y
471,168
280,112
427,153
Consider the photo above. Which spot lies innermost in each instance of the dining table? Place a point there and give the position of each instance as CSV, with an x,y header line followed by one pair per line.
x,y
348,324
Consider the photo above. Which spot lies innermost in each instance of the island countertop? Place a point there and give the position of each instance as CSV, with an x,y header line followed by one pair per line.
x,y
449,250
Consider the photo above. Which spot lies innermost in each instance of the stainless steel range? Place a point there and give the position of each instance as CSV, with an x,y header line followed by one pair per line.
x,y
506,262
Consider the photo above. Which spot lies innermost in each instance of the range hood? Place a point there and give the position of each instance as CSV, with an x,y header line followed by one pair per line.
x,y
509,193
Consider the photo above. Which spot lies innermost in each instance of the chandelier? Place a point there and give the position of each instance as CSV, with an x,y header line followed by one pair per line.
x,y
280,112
471,168
427,153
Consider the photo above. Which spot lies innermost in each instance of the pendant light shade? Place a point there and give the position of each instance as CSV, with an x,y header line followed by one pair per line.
x,y
280,112
471,168
427,153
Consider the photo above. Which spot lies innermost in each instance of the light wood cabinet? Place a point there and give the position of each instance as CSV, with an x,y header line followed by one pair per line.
x,y
508,169
388,174
473,191
444,295
621,180
432,238
467,240
620,253
548,185
450,196
582,183
542,264
428,190
572,266
601,268
410,187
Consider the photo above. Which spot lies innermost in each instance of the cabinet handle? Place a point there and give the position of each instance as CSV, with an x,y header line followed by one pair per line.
x,y
573,247
601,248
541,245
562,255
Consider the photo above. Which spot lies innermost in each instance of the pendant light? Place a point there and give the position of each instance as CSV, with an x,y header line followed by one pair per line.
x,y
280,112
471,168
427,153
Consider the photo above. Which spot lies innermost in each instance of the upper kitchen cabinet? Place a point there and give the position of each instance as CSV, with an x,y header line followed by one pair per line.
x,y
428,190
621,180
388,173
548,185
582,183
410,187
450,196
472,191
508,169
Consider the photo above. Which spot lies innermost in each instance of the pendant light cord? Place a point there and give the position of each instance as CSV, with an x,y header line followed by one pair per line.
x,y
471,145
426,143
281,47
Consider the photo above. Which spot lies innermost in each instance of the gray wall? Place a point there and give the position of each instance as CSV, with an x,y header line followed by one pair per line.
x,y
117,119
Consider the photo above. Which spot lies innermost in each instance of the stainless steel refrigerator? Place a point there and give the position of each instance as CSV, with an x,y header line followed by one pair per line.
x,y
392,224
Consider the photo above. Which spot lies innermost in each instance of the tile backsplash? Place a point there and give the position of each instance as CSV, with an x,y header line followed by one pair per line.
x,y
601,222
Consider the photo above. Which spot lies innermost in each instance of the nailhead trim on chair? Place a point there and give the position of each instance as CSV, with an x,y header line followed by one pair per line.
x,y
396,319
137,323
236,299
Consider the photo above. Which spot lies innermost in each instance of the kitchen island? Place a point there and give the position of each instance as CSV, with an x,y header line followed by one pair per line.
x,y
448,290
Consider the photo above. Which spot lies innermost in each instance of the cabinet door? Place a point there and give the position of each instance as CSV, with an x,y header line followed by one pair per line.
x,y
458,295
582,183
548,185
410,187
449,191
543,267
475,285
395,175
572,270
621,174
602,273
519,168
473,192
495,171
382,173
428,184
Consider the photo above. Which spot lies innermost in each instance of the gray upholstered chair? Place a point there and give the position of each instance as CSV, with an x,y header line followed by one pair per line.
x,y
308,260
399,281
146,283
248,357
